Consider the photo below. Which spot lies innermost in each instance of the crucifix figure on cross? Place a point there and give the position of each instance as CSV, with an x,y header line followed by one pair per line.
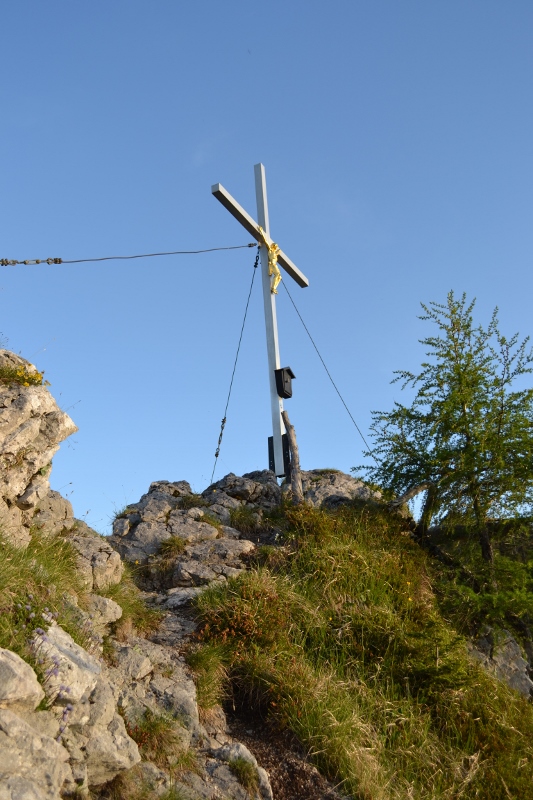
x,y
271,256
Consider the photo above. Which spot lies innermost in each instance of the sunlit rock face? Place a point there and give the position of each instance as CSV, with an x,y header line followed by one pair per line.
x,y
31,427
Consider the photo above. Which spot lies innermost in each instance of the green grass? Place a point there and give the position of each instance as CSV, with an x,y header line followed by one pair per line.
x,y
207,664
136,615
159,741
245,772
171,548
192,501
244,519
341,639
37,581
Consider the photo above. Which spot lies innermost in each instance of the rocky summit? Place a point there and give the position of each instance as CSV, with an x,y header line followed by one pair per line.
x,y
82,691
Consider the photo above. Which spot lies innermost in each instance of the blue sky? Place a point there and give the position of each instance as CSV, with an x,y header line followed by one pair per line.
x,y
396,138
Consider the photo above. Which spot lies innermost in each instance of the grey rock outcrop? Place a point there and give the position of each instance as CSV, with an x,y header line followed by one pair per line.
x,y
31,427
209,551
331,488
68,665
99,565
258,489
19,687
500,654
32,765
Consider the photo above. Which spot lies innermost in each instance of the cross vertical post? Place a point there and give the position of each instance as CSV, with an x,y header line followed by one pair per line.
x,y
271,323
261,233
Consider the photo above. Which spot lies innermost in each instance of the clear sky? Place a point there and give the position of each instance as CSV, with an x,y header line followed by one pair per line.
x,y
397,140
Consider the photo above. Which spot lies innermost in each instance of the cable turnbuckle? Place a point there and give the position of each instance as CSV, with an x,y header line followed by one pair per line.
x,y
8,262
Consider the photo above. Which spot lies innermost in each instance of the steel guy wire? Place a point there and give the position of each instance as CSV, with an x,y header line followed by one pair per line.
x,y
7,262
223,423
329,374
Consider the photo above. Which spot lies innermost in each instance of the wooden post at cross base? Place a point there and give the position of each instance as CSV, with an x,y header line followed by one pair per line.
x,y
261,232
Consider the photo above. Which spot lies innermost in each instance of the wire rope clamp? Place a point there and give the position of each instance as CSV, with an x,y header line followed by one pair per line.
x,y
284,378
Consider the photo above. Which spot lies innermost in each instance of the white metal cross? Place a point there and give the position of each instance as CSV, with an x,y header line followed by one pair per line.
x,y
269,297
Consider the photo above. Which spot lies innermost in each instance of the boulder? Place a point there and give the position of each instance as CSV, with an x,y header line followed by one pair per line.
x,y
234,751
98,563
32,766
103,612
19,687
109,751
70,671
331,488
53,514
259,488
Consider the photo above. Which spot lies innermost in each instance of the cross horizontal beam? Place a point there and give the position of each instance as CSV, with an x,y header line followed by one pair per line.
x,y
252,227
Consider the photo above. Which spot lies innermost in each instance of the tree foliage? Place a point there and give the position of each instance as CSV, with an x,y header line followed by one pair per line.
x,y
467,437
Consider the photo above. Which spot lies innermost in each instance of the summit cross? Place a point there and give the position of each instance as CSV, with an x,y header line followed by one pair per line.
x,y
270,254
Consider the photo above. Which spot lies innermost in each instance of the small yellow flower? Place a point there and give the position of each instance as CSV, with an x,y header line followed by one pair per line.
x,y
410,599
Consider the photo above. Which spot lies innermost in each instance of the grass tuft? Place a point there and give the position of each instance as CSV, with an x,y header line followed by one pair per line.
x,y
136,615
341,639
245,772
210,675
158,738
244,519
35,586
192,501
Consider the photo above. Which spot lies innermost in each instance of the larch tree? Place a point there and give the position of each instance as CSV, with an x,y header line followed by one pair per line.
x,y
466,440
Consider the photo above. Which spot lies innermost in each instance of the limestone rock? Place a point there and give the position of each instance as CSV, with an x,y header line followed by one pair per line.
x,y
53,514
132,663
141,541
176,489
19,687
68,665
210,561
231,752
102,611
98,563
32,766
178,597
188,526
37,490
501,655
31,427
110,751
331,488
258,488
